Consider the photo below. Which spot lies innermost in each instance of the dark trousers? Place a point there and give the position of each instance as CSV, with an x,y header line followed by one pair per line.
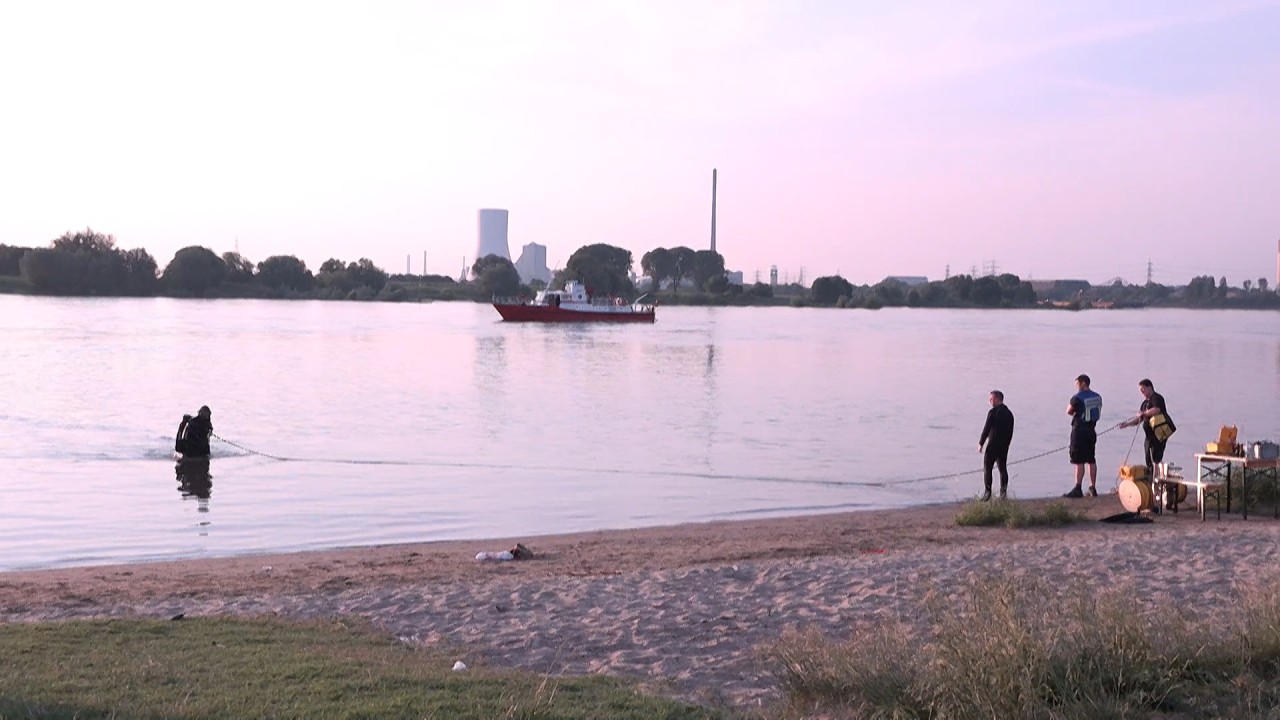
x,y
999,458
1155,454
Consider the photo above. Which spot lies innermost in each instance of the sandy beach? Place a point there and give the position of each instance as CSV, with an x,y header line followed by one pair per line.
x,y
683,608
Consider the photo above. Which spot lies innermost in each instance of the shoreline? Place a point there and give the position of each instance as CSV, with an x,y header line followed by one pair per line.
x,y
683,606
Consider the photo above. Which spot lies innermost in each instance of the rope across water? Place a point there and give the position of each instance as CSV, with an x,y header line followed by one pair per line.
x,y
673,473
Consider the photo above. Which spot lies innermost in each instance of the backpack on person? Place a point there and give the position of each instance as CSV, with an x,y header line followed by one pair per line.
x,y
180,440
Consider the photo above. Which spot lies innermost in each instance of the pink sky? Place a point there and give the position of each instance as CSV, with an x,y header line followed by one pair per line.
x,y
1075,139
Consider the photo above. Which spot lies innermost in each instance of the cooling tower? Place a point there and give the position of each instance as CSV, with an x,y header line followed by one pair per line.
x,y
492,234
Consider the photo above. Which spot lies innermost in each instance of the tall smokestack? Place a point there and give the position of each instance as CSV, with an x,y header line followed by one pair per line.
x,y
713,213
1277,287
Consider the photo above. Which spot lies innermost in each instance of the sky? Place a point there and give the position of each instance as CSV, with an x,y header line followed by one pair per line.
x,y
1055,139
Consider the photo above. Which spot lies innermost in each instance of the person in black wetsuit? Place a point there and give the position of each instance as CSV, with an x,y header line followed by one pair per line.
x,y
997,435
193,434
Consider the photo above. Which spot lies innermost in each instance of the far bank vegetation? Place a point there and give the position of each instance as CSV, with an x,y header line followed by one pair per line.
x,y
88,263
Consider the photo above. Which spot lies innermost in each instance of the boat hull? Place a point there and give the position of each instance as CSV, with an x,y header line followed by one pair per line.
x,y
519,312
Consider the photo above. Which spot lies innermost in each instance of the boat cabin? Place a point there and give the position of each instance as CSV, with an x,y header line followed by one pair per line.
x,y
573,292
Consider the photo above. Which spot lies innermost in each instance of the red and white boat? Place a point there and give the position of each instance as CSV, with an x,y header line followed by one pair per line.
x,y
573,304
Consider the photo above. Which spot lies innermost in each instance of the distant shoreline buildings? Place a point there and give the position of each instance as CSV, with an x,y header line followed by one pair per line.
x,y
532,264
491,239
491,235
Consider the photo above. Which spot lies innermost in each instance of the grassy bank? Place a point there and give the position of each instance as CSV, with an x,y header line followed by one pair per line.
x,y
225,668
1014,648
1015,515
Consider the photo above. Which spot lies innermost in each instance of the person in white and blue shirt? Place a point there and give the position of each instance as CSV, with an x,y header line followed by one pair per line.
x,y
1085,408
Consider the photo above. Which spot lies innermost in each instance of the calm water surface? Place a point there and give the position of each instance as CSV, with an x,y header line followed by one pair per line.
x,y
437,421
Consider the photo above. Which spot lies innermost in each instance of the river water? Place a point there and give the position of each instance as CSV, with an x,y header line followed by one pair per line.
x,y
414,422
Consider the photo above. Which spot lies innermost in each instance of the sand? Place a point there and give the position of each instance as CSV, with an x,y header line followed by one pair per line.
x,y
684,608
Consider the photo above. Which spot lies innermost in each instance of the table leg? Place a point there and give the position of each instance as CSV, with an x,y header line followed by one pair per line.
x,y
1244,491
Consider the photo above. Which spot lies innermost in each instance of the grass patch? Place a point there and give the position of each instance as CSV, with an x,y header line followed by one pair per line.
x,y
235,668
1015,648
1015,515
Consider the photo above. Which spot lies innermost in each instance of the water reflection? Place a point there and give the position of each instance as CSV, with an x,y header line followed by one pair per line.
x,y
194,481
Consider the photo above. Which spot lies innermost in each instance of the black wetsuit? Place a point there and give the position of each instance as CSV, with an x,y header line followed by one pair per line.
x,y
193,437
997,435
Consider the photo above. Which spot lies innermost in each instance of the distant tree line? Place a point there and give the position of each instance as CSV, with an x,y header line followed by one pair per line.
x,y
90,263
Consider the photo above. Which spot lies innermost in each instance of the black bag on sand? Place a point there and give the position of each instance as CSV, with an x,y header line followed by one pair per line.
x,y
1126,518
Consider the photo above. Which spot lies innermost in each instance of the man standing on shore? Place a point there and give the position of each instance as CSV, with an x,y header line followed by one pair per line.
x,y
1085,407
1156,436
997,434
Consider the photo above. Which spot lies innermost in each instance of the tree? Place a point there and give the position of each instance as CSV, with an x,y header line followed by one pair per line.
x,y
85,241
760,289
193,272
1025,295
959,287
1262,284
79,263
53,272
603,269
140,278
496,275
987,292
890,292
285,272
658,264
365,274
828,289
9,257
332,265
719,284
681,265
238,268
1201,287
934,294
1246,285
707,264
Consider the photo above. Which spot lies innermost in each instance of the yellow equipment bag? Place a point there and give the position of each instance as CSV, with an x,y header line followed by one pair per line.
x,y
1162,426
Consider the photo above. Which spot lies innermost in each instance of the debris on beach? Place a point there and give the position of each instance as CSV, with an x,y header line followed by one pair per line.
x,y
496,555
519,552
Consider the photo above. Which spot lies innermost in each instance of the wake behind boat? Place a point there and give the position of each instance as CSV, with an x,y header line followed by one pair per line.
x,y
573,304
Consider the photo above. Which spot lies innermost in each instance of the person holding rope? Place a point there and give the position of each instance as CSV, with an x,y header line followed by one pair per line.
x,y
193,434
997,435
1157,426
1085,407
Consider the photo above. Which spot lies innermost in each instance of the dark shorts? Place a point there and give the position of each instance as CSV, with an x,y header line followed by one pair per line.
x,y
1084,441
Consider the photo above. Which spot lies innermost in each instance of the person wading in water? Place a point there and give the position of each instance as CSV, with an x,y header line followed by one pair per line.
x,y
193,434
